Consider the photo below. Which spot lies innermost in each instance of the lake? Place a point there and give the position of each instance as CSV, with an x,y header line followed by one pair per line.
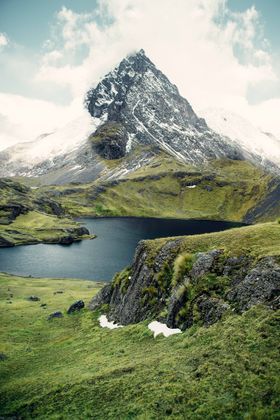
x,y
100,258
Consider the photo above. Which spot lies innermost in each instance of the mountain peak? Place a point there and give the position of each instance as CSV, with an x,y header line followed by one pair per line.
x,y
138,53
141,99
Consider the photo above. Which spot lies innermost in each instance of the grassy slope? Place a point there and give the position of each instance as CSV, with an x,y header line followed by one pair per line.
x,y
71,368
38,224
36,227
257,240
235,187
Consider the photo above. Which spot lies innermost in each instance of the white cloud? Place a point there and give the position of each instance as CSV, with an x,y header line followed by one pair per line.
x,y
23,119
3,40
193,42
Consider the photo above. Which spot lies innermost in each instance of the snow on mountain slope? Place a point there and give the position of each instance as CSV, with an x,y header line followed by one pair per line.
x,y
150,108
49,146
242,131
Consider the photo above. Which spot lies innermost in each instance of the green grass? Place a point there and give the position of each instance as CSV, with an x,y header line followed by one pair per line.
x,y
71,368
258,240
225,190
35,227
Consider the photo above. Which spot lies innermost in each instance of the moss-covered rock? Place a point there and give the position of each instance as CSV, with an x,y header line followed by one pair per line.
x,y
185,288
110,140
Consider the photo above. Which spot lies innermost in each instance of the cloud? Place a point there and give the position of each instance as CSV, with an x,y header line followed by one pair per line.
x,y
23,119
212,54
3,40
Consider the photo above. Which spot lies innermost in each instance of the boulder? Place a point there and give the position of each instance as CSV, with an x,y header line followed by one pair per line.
x,y
56,314
3,357
76,306
34,298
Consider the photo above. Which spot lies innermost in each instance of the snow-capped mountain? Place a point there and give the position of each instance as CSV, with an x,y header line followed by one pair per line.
x,y
242,131
139,97
135,104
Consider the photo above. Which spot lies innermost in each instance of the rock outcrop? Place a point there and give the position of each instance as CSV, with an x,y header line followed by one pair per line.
x,y
76,307
201,289
110,140
56,314
5,243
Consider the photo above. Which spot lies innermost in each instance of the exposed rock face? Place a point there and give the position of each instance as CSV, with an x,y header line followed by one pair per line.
x,y
102,298
5,242
214,284
10,211
110,140
205,262
49,206
211,309
261,284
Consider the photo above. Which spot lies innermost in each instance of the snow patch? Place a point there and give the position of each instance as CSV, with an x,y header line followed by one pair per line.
x,y
104,323
243,132
191,186
159,328
75,167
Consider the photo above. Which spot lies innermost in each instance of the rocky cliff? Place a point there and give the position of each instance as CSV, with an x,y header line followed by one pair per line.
x,y
181,288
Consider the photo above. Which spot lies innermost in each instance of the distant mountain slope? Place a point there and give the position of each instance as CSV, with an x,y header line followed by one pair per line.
x,y
242,131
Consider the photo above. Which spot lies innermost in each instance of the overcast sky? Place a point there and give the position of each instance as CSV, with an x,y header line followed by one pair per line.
x,y
222,54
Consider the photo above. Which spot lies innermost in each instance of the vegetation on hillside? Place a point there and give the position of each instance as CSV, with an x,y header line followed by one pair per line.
x,y
222,190
257,241
27,217
35,227
71,368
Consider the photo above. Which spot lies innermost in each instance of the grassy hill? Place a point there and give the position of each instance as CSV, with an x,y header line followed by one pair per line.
x,y
221,190
27,217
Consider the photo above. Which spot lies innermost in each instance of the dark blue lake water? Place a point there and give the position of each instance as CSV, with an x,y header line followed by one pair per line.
x,y
100,258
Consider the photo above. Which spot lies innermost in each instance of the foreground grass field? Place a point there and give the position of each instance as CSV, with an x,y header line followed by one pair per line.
x,y
71,368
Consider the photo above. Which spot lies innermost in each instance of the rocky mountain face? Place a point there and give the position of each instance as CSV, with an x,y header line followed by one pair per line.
x,y
134,106
181,289
138,97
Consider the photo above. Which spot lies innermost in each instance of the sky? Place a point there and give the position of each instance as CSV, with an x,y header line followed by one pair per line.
x,y
220,54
